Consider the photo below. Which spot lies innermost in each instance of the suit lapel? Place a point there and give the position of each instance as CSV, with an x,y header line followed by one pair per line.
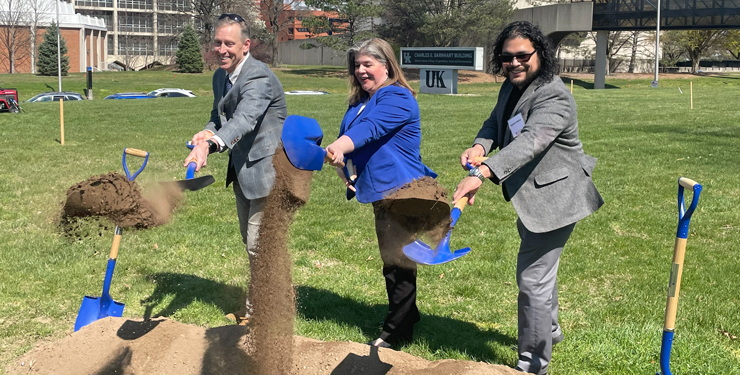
x,y
239,82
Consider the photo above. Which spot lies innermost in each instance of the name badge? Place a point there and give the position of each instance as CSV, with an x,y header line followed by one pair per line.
x,y
516,124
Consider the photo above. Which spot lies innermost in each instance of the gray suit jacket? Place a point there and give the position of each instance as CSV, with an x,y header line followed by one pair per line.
x,y
544,171
249,119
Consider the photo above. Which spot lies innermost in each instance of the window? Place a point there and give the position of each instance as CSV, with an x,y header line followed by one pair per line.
x,y
111,49
135,46
135,22
175,5
135,4
167,46
301,29
94,3
175,95
171,24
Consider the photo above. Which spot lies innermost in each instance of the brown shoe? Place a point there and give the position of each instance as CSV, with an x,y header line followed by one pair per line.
x,y
239,317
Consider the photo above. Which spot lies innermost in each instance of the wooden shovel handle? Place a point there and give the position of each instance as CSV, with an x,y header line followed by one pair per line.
x,y
136,152
328,158
687,182
461,203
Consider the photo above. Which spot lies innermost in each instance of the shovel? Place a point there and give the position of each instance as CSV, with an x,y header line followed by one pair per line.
x,y
674,282
190,183
94,308
421,253
302,138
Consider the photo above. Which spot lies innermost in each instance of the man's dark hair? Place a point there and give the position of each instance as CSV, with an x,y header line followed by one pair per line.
x,y
526,30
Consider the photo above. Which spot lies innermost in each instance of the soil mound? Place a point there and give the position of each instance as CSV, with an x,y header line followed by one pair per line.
x,y
114,197
125,346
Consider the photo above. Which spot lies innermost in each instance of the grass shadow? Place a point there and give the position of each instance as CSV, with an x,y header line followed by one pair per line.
x,y
187,289
439,333
585,84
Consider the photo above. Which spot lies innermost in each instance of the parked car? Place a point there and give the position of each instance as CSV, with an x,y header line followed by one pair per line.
x,y
55,96
171,93
130,95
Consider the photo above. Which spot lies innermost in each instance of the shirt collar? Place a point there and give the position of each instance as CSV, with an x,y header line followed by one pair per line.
x,y
235,74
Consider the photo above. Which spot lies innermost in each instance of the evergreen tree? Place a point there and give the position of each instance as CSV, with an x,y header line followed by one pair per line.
x,y
189,56
47,55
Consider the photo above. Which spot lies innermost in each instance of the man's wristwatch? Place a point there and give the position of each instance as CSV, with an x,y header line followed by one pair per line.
x,y
212,146
475,172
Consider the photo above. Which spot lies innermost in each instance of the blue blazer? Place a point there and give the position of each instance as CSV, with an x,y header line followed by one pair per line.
x,y
387,138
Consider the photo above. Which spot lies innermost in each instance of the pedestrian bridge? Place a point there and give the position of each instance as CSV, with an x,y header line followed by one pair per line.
x,y
602,16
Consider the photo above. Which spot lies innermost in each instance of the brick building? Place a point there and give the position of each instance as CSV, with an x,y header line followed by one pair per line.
x,y
84,36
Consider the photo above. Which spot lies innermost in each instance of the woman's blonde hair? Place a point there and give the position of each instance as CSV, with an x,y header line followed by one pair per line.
x,y
380,50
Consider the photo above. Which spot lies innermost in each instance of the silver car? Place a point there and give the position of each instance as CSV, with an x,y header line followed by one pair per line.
x,y
55,96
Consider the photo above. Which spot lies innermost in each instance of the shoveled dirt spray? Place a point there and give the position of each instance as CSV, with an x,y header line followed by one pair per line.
x,y
116,198
422,207
271,326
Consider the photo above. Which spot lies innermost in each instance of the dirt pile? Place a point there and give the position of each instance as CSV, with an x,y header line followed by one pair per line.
x,y
114,197
125,346
273,297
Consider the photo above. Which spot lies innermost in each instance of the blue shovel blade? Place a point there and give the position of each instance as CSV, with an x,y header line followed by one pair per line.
x,y
94,308
421,253
302,138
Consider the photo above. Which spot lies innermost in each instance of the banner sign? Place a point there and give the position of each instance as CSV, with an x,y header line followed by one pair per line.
x,y
467,58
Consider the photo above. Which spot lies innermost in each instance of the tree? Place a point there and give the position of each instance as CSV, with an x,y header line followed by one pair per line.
x,y
37,8
615,41
189,56
13,35
353,22
695,43
275,13
47,62
444,23
731,43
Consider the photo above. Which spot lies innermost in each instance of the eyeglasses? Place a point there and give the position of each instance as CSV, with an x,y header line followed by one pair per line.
x,y
232,16
521,57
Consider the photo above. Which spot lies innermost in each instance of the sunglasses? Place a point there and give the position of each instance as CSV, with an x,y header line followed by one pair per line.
x,y
232,16
521,57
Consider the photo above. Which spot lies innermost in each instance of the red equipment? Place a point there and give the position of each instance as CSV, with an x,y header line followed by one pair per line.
x,y
9,100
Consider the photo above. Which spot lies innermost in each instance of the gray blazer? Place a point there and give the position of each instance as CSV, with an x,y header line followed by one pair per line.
x,y
249,119
544,171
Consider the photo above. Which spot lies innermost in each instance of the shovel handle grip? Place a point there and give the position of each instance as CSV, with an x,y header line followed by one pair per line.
x,y
461,203
329,157
687,182
136,152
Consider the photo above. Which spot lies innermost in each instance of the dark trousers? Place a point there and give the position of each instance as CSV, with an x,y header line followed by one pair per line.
x,y
400,278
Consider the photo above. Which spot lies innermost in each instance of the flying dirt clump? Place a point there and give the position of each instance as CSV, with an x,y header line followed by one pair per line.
x,y
114,197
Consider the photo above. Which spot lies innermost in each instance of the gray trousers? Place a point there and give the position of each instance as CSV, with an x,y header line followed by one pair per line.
x,y
536,276
250,217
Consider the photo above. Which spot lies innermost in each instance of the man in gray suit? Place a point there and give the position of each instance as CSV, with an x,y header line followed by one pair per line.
x,y
247,121
543,171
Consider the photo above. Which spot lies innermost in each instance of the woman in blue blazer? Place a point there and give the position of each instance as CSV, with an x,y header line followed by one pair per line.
x,y
379,140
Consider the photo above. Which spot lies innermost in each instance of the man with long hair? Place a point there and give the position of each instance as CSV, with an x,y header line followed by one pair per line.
x,y
542,170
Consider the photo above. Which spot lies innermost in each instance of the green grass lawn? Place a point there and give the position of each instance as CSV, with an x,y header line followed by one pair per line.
x,y
613,275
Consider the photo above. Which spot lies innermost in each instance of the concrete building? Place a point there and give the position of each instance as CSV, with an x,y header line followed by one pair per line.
x,y
85,36
140,31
